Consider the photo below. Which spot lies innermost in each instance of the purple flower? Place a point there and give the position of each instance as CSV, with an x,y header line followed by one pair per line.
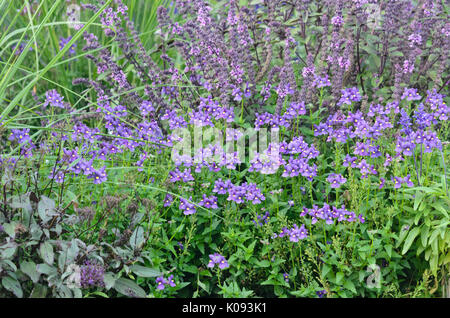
x,y
64,41
415,38
188,208
408,181
336,180
168,200
286,277
58,177
382,181
297,233
53,99
221,187
218,259
321,293
337,20
209,202
410,94
20,135
171,281
361,218
397,182
350,161
99,176
320,82
349,95
160,283
92,275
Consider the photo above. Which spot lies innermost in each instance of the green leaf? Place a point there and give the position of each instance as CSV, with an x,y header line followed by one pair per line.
x,y
424,235
109,280
143,271
9,252
46,209
325,270
388,249
46,269
129,288
339,277
46,250
39,291
350,286
410,239
263,263
137,239
29,268
12,284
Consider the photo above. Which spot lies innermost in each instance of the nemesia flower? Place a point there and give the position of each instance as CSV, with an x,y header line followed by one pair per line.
x,y
410,94
349,95
217,259
20,135
54,99
336,180
382,181
321,293
171,281
160,283
186,207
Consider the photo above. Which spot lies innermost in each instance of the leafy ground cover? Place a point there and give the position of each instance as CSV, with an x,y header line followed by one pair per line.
x,y
224,148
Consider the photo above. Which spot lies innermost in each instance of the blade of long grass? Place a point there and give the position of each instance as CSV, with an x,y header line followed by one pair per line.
x,y
53,61
12,70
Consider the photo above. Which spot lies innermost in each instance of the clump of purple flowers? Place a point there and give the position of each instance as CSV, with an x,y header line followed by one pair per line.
x,y
398,181
349,95
329,214
92,275
54,99
295,233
